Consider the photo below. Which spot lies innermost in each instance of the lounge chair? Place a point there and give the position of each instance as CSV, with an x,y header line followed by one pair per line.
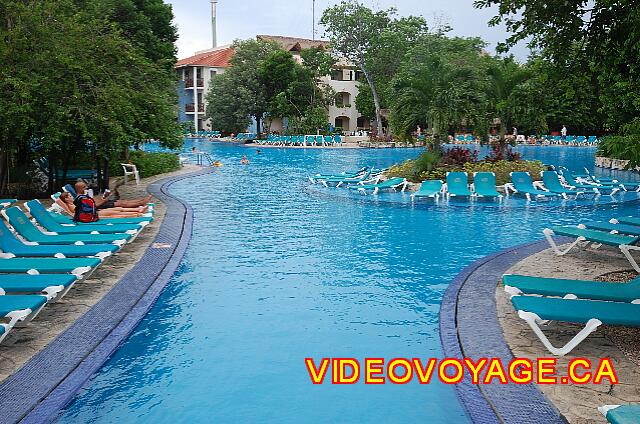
x,y
19,309
631,220
54,286
570,179
58,213
522,183
5,203
40,214
535,310
584,237
27,230
552,182
621,414
614,227
573,289
10,246
431,188
484,185
347,174
75,266
458,185
390,184
340,181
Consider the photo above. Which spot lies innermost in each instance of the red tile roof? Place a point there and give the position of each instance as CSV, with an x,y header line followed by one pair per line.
x,y
216,58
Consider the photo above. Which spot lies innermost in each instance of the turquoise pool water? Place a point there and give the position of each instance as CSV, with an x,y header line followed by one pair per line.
x,y
278,271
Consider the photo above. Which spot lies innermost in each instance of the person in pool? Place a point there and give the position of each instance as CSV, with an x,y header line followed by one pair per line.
x,y
65,201
244,160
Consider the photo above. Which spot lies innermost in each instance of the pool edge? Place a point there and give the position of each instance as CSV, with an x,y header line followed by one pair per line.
x,y
51,393
469,327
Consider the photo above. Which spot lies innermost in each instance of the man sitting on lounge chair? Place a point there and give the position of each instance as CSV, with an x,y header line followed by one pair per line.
x,y
66,203
105,202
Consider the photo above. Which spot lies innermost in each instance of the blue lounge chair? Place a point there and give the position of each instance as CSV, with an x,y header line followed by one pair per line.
x,y
593,314
19,309
614,227
54,286
26,229
340,181
522,183
58,213
584,237
75,266
458,185
347,174
552,182
431,189
572,289
573,181
390,184
40,214
5,203
621,414
484,185
10,246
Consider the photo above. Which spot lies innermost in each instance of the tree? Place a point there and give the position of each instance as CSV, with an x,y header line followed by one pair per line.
x,y
229,104
354,30
441,85
600,36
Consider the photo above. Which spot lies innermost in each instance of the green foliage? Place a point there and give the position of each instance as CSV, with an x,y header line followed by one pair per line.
x,y
150,164
621,147
91,76
595,44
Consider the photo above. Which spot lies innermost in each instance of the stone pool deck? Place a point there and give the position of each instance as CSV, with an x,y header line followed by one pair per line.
x,y
577,403
44,364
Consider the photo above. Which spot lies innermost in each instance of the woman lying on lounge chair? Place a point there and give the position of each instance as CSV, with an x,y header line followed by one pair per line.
x,y
65,201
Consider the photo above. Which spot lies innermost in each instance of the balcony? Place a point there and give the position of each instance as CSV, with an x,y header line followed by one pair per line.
x,y
188,83
191,108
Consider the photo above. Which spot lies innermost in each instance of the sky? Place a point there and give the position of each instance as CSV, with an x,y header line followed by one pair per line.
x,y
242,19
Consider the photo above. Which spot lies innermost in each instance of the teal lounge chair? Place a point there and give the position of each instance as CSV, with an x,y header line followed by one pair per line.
x,y
340,181
522,183
10,246
458,185
614,227
573,289
30,232
75,266
40,214
484,185
58,213
431,188
610,189
348,174
584,237
621,414
18,310
593,314
631,220
54,286
5,203
390,184
552,182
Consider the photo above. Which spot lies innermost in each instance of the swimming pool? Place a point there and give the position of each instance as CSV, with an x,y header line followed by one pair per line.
x,y
277,272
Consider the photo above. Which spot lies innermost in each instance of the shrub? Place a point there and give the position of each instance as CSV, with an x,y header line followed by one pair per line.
x,y
150,164
459,156
621,147
413,170
499,153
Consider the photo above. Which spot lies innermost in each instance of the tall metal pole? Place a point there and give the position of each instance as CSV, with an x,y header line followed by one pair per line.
x,y
314,20
214,17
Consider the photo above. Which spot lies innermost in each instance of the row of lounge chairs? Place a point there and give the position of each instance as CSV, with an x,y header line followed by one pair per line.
x,y
552,185
539,301
43,257
301,140
204,134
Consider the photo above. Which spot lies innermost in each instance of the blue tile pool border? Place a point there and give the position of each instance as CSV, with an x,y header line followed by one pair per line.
x,y
469,327
42,387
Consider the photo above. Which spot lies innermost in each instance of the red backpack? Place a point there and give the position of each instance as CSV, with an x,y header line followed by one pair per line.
x,y
86,211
